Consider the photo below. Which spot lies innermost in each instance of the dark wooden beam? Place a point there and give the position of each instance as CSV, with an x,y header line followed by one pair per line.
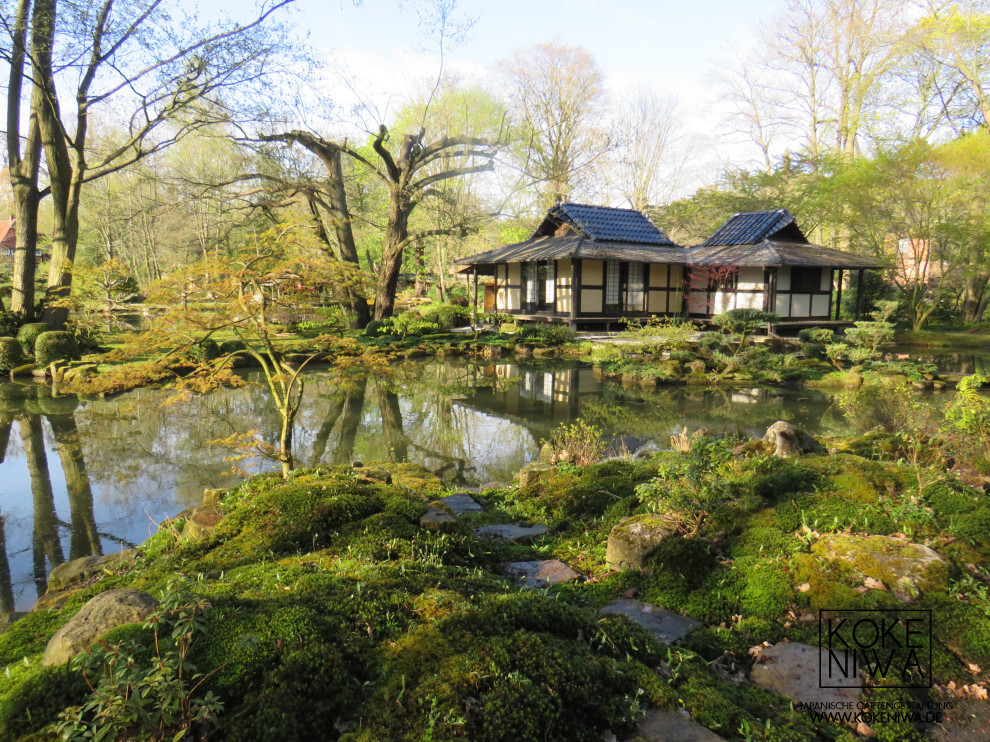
x,y
859,294
838,297
575,291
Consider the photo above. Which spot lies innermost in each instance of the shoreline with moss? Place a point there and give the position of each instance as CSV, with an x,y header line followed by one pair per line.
x,y
367,603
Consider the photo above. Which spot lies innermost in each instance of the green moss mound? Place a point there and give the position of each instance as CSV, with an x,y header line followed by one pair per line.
x,y
55,345
27,335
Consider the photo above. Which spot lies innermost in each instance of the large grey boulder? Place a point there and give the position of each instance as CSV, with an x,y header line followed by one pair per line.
x,y
633,539
101,614
201,523
666,626
905,568
541,573
788,440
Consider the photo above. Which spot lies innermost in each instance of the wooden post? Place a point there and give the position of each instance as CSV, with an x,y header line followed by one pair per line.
x,y
474,313
838,297
575,291
859,293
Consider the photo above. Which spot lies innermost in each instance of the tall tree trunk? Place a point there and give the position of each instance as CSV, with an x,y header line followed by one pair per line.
x,y
64,178
392,249
23,165
973,301
341,218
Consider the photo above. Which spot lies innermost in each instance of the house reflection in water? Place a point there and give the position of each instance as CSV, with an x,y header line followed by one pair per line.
x,y
538,398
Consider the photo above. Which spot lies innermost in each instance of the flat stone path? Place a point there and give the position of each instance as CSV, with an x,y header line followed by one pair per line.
x,y
511,532
671,726
461,503
666,627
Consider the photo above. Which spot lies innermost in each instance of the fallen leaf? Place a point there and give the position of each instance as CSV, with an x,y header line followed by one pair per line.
x,y
803,587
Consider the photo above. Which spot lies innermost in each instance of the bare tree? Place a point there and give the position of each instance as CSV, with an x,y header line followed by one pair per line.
x,y
649,155
408,181
557,97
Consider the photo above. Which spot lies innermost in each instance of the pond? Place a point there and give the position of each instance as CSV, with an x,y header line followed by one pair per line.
x,y
80,477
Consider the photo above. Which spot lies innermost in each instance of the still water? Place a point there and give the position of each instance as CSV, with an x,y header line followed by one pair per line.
x,y
81,477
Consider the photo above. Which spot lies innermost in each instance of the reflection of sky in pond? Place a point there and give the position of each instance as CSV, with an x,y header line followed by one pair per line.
x,y
135,457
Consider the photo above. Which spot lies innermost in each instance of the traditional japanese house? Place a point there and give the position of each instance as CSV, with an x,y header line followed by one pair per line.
x,y
762,260
588,266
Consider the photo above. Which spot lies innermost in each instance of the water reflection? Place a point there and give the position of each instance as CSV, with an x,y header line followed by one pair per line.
x,y
90,476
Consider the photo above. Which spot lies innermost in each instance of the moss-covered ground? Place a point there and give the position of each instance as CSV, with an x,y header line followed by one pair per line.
x,y
336,616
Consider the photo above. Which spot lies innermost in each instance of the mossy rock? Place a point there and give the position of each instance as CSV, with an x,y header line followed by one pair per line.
x,y
633,539
55,345
28,335
890,560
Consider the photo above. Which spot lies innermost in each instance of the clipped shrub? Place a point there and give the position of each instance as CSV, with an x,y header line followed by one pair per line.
x,y
11,354
447,316
55,345
27,336
816,335
548,335
374,329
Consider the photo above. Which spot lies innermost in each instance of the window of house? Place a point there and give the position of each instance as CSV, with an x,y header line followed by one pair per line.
x,y
636,288
612,280
550,283
529,284
806,280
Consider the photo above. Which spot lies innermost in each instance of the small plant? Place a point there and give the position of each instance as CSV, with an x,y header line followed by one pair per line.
x,y
885,405
967,422
690,486
145,692
743,322
579,444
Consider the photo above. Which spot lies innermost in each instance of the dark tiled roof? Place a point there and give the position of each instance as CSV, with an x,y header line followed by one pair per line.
x,y
751,227
578,246
608,223
771,253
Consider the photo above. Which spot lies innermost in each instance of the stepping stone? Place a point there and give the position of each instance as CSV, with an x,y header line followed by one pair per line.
x,y
436,519
667,627
511,532
461,503
663,726
792,669
541,573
